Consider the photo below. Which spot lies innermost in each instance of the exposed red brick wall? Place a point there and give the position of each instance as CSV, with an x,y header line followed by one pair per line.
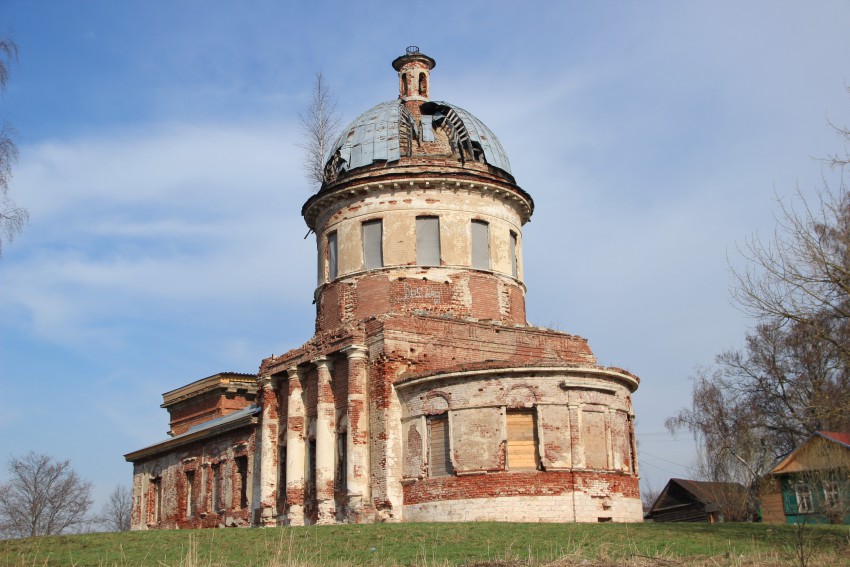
x,y
534,483
374,294
205,407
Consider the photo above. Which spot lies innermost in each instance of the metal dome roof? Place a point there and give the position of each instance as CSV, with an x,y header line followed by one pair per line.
x,y
374,136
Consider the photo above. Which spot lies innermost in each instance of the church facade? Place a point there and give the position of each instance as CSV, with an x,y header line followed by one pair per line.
x,y
424,394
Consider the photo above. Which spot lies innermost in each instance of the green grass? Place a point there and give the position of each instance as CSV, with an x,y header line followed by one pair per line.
x,y
433,545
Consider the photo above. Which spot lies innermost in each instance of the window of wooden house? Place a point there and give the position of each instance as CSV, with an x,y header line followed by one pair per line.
x,y
480,245
190,494
427,241
514,270
439,453
831,494
242,475
333,261
522,454
804,498
373,239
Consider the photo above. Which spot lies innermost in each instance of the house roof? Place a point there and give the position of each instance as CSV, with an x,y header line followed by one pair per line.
x,y
841,439
681,492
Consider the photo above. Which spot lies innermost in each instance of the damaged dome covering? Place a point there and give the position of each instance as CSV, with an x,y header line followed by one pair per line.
x,y
388,132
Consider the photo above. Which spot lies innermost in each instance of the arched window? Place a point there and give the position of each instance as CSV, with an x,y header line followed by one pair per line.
x,y
423,84
404,84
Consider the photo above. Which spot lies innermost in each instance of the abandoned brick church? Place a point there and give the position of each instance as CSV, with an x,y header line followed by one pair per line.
x,y
424,394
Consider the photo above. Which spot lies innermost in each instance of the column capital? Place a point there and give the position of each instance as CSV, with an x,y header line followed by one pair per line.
x,y
268,382
293,372
356,351
323,362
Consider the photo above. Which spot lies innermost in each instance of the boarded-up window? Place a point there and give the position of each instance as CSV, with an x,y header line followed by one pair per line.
x,y
190,494
373,253
593,440
480,245
522,441
439,457
428,241
514,270
332,257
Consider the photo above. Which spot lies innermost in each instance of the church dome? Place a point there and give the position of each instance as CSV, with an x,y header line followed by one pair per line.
x,y
381,133
414,130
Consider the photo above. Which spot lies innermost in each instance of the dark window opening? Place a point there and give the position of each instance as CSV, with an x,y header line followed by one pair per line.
x,y
156,486
215,488
404,84
190,494
242,473
341,464
423,84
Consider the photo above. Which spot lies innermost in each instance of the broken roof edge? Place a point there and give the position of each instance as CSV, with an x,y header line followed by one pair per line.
x,y
204,430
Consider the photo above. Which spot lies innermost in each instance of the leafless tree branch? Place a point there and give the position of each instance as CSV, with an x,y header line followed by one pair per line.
x,y
320,126
13,218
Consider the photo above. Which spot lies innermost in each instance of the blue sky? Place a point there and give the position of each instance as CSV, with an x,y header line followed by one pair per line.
x,y
158,160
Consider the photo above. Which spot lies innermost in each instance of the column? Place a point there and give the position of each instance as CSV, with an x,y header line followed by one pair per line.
x,y
296,432
265,493
358,478
325,443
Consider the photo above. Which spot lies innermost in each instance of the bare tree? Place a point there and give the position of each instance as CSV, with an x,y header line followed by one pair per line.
x,y
803,274
320,126
42,497
12,217
115,514
792,377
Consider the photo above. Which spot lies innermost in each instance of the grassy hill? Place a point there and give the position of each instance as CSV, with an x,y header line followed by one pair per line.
x,y
440,545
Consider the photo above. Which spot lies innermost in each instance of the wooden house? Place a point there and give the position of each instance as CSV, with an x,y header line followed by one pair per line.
x,y
812,484
698,501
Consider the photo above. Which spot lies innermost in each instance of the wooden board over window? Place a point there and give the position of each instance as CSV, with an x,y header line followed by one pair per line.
x,y
522,441
440,463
